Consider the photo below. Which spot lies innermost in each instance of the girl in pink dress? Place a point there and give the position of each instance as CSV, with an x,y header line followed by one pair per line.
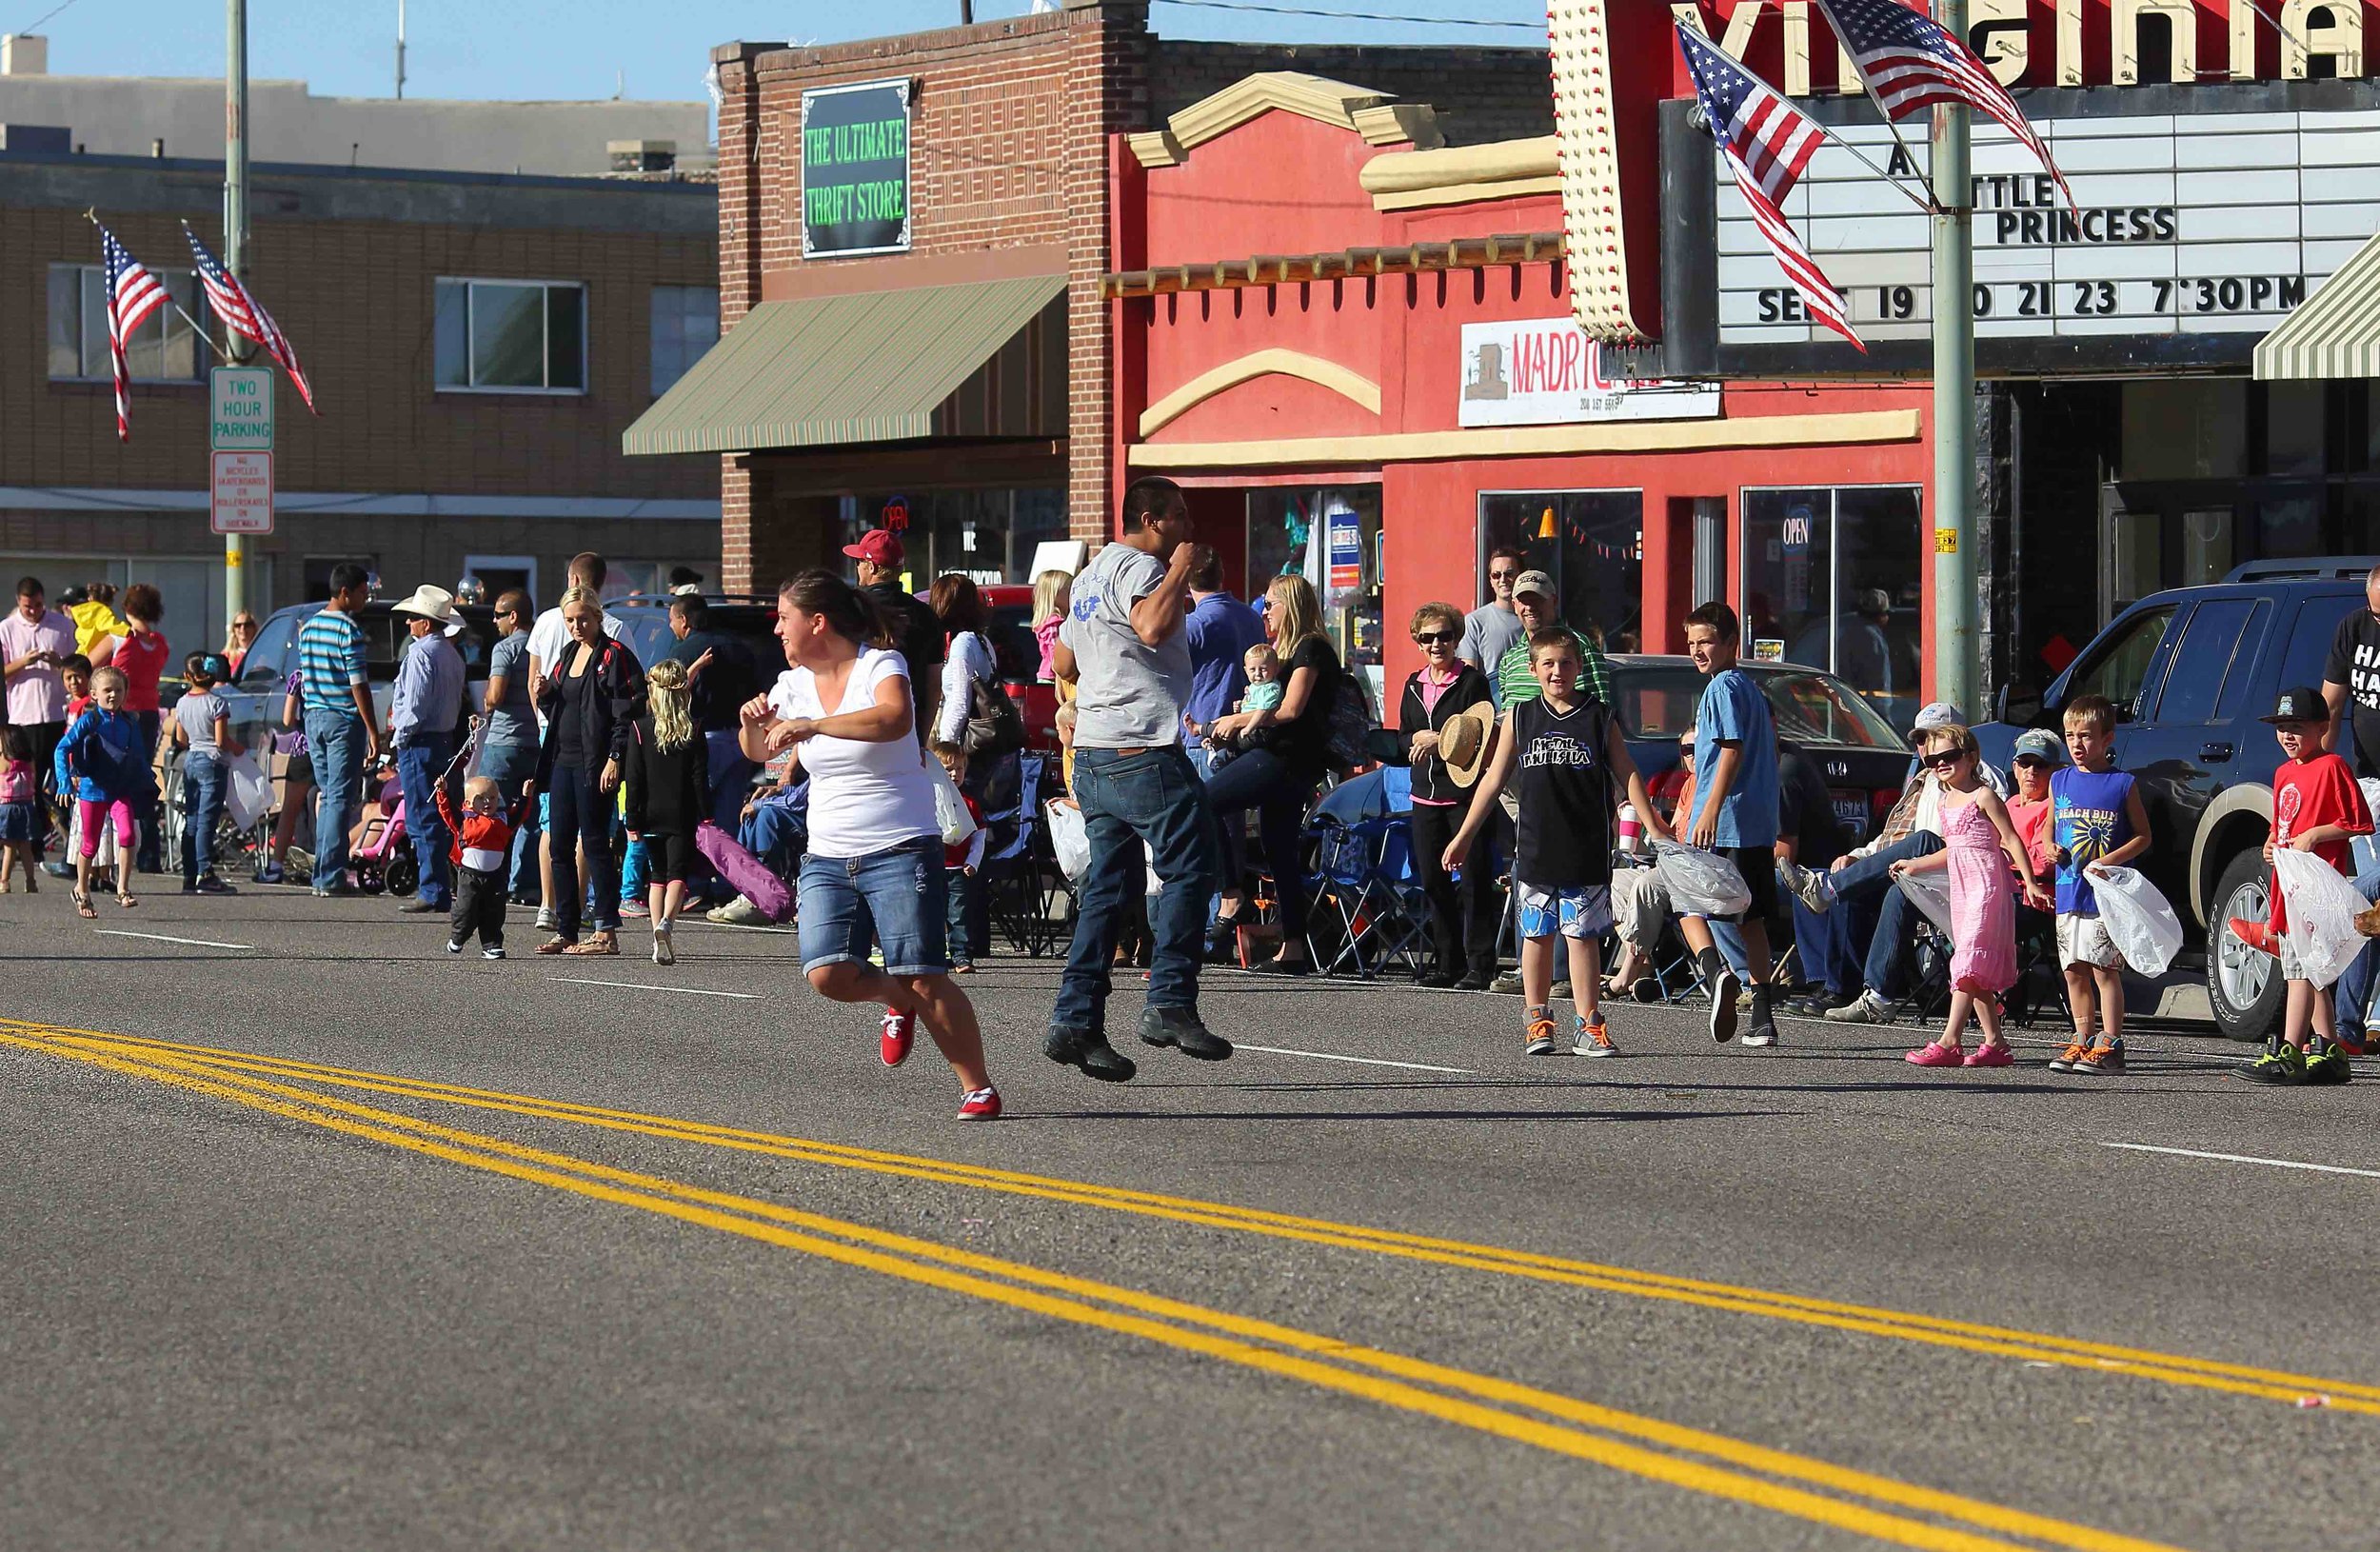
x,y
1979,846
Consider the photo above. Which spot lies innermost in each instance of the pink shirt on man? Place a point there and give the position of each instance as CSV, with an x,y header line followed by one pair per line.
x,y
36,694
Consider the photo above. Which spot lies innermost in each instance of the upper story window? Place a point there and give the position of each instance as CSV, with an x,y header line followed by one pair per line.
x,y
686,324
163,349
511,336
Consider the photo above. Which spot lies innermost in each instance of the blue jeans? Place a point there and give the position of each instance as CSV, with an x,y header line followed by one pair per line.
x,y
203,791
897,892
510,766
958,932
335,738
2354,987
1885,968
1128,799
778,834
419,763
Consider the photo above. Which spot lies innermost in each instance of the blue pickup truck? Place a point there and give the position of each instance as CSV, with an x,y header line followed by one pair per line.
x,y
2190,671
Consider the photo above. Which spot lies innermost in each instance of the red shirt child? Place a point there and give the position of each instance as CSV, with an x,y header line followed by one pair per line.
x,y
2309,791
970,852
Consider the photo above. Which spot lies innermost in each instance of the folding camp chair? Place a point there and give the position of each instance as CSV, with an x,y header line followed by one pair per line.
x,y
1020,874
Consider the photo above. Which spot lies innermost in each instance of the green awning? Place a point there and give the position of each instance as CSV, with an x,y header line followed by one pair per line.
x,y
2335,333
870,367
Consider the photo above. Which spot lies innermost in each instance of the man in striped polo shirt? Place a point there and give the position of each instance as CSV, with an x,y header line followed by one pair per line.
x,y
336,693
1540,606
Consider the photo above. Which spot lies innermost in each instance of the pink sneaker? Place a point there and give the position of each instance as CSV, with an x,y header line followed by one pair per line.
x,y
1937,1055
1991,1055
900,1032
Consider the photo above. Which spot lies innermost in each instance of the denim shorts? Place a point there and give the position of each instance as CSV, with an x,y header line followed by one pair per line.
x,y
899,891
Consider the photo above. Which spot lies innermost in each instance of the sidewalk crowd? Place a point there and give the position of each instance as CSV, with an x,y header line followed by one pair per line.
x,y
848,792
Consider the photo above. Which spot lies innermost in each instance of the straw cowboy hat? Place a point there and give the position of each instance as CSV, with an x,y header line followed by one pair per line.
x,y
1462,743
430,604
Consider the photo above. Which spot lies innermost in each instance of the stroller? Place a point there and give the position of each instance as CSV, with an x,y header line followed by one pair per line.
x,y
384,858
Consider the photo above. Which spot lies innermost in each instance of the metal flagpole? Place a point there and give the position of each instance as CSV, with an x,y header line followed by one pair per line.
x,y
234,241
1954,601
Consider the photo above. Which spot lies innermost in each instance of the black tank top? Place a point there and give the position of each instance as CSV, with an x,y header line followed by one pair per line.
x,y
1564,784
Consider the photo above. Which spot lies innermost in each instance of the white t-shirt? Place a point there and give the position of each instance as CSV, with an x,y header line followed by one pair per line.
x,y
548,636
865,798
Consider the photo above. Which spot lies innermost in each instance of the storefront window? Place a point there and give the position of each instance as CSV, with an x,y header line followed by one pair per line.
x,y
1590,542
2186,428
1332,534
989,535
1831,580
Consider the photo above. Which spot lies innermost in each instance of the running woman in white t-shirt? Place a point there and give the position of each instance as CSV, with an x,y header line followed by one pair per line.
x,y
845,709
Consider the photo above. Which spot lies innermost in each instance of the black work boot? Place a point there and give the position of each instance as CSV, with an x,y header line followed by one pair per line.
x,y
1180,1027
1089,1050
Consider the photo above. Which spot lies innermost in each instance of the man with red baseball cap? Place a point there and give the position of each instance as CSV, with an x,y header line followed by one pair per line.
x,y
917,632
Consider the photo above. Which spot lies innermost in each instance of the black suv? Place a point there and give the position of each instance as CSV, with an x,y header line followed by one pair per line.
x,y
745,618
2190,671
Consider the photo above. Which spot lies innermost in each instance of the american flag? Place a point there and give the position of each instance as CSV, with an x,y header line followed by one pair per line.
x,y
1767,142
243,315
134,293
1909,63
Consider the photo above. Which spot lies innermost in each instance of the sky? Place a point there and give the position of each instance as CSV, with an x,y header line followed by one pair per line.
x,y
545,48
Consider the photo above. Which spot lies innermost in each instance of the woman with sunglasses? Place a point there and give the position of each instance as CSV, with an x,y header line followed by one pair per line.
x,y
237,639
1442,687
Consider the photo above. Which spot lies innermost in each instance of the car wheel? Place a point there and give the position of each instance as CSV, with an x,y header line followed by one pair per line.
x,y
2244,985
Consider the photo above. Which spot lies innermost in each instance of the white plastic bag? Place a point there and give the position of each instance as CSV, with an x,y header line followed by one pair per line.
x,y
2139,922
1929,891
1700,883
247,793
1069,838
950,809
2321,910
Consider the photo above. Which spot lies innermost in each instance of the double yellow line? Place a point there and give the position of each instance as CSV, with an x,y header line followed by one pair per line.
x,y
1967,1336
1693,1459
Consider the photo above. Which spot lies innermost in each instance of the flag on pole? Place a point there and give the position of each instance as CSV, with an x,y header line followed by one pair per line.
x,y
134,293
1909,64
1767,142
245,316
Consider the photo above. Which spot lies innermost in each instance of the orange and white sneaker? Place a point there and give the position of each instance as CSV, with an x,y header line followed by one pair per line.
x,y
1593,1037
2103,1059
2065,1059
1540,1034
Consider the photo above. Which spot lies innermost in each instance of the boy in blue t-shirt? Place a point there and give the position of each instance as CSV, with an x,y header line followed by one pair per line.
x,y
2098,822
1734,814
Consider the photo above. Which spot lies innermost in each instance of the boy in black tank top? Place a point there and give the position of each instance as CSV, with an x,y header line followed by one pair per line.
x,y
1567,759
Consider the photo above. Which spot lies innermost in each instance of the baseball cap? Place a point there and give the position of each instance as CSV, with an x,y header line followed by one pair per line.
x,y
2042,745
1538,583
878,546
1940,714
2299,702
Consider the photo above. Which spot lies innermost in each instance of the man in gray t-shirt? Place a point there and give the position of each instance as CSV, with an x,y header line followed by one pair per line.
x,y
1125,646
1490,631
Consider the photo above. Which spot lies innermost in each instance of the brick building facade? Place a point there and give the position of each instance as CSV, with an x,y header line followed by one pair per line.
x,y
425,480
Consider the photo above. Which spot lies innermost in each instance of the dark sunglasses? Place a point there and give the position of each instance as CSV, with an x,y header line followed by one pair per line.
x,y
1502,576
1939,759
2033,760
1427,637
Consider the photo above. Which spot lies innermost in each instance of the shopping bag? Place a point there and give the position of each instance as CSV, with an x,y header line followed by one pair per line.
x,y
247,793
746,874
1700,883
1929,891
2322,908
1069,838
2138,920
951,808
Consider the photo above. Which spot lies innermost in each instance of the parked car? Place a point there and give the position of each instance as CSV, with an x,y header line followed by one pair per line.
x,y
254,701
742,617
2190,671
1865,760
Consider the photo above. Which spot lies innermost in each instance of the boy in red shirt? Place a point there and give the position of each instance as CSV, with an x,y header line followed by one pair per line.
x,y
481,855
959,863
2316,808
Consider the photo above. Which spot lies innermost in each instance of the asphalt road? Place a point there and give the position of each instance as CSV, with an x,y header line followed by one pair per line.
x,y
316,1237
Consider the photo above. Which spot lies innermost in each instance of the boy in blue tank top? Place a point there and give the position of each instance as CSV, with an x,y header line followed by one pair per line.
x,y
2098,822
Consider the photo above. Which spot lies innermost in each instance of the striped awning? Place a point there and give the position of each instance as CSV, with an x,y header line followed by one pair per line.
x,y
982,358
2335,333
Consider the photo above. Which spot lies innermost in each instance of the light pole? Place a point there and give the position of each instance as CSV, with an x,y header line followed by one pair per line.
x,y
1954,601
236,240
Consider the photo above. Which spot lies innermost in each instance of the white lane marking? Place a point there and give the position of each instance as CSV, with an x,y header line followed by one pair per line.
x,y
1366,1060
2246,1158
638,986
735,926
159,937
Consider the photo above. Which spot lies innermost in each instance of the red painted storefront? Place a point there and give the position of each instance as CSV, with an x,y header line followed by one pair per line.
x,y
1369,370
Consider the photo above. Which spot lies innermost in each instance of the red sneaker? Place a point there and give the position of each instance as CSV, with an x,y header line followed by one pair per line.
x,y
980,1104
901,1031
2256,935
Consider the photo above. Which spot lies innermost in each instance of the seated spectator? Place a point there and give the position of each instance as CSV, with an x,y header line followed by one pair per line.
x,y
774,826
1810,835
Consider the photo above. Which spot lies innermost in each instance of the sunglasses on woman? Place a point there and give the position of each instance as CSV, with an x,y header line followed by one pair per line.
x,y
1427,637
